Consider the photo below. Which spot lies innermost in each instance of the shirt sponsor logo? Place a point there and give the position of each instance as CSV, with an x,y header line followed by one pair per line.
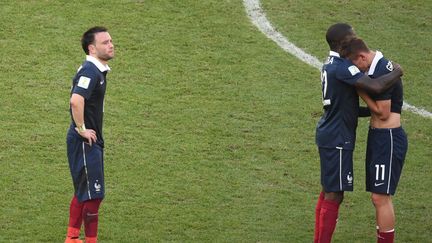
x,y
83,82
353,70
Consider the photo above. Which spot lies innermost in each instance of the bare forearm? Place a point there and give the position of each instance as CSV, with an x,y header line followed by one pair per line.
x,y
380,84
368,100
77,107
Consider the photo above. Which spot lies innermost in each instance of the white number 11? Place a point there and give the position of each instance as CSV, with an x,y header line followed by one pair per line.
x,y
377,170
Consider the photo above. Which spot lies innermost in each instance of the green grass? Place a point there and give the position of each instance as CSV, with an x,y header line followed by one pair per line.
x,y
209,126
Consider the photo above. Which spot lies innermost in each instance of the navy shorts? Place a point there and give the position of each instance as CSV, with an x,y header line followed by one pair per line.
x,y
385,155
86,166
336,169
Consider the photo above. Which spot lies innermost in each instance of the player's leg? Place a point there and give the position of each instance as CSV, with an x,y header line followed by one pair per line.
x,y
384,161
385,217
336,177
76,167
91,218
95,181
317,216
75,218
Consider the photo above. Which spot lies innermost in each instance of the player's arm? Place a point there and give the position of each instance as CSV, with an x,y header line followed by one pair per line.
x,y
380,84
77,106
380,108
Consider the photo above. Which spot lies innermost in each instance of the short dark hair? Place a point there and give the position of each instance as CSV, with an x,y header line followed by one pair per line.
x,y
89,36
338,33
351,48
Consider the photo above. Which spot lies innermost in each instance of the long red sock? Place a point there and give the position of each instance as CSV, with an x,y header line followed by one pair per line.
x,y
386,237
75,218
90,216
328,219
317,216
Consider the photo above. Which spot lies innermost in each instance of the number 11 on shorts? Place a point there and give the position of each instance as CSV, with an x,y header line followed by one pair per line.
x,y
379,168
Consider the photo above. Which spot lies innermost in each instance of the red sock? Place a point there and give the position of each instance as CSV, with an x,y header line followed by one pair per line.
x,y
75,218
386,237
317,216
328,219
90,216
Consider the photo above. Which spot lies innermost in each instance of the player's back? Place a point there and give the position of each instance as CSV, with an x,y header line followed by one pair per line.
x,y
338,124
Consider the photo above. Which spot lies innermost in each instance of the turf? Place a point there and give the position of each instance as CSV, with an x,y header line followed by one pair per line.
x,y
209,126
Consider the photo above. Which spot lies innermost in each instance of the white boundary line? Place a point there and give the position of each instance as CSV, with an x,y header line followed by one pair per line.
x,y
259,19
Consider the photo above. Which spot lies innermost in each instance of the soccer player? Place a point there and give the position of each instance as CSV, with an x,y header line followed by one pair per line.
x,y
387,142
336,130
84,138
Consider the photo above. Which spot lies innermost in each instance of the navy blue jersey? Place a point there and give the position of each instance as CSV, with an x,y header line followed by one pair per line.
x,y
379,67
90,82
337,126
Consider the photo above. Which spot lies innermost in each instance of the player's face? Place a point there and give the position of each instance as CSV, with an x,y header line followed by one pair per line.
x,y
103,47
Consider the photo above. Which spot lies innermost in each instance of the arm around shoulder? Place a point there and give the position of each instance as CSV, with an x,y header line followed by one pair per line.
x,y
382,83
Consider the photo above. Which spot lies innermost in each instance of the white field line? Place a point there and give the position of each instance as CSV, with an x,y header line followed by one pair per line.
x,y
259,19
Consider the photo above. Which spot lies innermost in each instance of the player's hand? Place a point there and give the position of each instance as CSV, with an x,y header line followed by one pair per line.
x,y
88,134
397,68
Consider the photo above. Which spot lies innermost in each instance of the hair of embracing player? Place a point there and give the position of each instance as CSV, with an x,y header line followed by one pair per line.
x,y
337,34
353,47
89,37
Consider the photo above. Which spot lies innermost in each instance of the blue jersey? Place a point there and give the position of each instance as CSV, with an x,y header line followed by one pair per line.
x,y
379,67
90,83
337,126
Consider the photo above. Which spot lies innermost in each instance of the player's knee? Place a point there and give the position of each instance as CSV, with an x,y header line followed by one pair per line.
x,y
380,199
334,196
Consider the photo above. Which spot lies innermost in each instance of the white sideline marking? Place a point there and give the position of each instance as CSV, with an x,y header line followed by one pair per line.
x,y
259,19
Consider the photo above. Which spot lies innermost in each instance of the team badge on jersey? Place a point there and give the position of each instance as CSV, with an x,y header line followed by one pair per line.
x,y
353,70
389,66
83,82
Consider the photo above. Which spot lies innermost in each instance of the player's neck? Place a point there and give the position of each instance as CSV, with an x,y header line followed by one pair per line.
x,y
104,62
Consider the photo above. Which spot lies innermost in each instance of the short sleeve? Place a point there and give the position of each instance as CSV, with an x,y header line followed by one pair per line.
x,y
387,95
348,73
84,83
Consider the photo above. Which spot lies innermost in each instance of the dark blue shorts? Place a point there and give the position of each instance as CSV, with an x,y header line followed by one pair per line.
x,y
385,155
336,169
86,166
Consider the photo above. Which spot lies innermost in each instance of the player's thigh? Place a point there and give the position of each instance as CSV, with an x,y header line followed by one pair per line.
x,y
95,170
336,169
386,152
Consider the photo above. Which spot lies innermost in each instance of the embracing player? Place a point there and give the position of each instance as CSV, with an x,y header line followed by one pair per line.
x,y
336,130
387,142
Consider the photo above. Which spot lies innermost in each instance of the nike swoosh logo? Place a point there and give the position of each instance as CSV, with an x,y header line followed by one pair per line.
x,y
379,184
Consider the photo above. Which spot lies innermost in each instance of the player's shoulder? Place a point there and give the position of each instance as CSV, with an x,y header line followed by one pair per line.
x,y
346,67
88,69
385,64
380,65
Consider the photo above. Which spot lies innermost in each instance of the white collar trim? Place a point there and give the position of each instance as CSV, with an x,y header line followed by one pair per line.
x,y
333,53
99,65
378,56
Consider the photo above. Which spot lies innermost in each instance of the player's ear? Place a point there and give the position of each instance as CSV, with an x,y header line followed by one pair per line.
x,y
362,56
91,48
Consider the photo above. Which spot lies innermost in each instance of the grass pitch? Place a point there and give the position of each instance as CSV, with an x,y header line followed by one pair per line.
x,y
209,126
